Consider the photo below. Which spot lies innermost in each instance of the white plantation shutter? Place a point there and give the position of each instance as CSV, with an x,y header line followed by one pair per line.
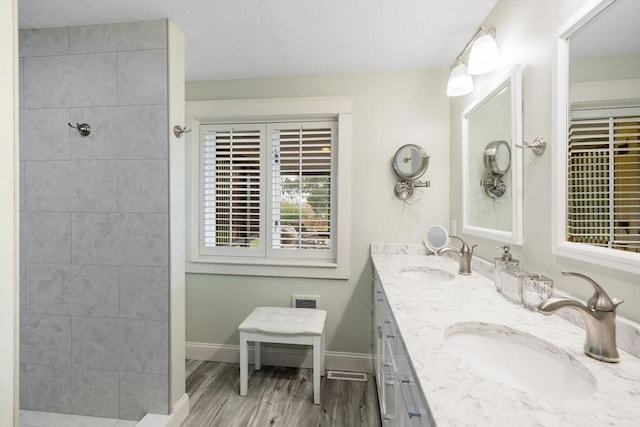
x,y
301,193
231,173
267,190
603,203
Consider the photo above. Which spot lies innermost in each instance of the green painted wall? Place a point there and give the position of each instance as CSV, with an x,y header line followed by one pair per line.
x,y
390,109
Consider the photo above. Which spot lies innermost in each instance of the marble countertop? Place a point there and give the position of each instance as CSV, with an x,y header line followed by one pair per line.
x,y
457,396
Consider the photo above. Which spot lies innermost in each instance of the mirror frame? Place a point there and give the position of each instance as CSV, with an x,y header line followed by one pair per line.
x,y
514,236
619,260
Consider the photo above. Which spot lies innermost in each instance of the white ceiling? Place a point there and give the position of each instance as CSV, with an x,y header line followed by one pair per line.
x,y
228,39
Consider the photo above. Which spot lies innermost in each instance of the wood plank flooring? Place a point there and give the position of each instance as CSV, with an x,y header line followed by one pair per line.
x,y
276,396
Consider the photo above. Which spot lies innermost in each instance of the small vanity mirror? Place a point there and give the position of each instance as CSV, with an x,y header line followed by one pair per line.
x,y
497,161
436,238
409,163
492,167
497,157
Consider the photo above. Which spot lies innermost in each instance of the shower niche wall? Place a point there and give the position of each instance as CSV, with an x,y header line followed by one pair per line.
x,y
94,220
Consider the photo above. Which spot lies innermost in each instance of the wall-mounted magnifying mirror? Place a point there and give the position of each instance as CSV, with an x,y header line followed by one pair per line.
x,y
490,128
436,238
497,161
409,163
597,149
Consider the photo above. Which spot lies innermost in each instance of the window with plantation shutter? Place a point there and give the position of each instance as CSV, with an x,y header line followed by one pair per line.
x,y
603,203
268,187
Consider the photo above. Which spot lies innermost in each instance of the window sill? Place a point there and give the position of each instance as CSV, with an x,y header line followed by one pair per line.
x,y
242,266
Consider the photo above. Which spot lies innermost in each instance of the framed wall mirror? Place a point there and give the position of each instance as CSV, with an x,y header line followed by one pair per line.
x,y
596,170
491,165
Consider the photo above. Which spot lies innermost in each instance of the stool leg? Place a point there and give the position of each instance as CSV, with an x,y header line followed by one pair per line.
x,y
322,344
244,368
256,348
316,368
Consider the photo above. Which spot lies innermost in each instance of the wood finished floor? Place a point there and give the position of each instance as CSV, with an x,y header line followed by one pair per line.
x,y
276,396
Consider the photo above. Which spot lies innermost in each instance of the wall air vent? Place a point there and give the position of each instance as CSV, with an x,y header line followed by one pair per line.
x,y
304,301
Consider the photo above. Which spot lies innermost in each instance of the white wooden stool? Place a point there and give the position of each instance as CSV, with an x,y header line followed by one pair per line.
x,y
304,326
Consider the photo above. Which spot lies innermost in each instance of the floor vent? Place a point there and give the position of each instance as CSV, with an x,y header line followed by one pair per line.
x,y
347,376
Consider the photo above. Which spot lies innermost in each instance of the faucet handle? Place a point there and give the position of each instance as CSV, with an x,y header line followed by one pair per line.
x,y
599,300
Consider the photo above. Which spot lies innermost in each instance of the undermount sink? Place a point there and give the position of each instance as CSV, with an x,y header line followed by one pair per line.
x,y
426,274
519,360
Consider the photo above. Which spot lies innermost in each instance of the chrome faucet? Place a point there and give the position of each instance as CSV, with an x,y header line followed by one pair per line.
x,y
599,315
464,255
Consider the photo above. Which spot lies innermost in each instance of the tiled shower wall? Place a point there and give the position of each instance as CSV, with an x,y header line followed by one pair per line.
x,y
94,240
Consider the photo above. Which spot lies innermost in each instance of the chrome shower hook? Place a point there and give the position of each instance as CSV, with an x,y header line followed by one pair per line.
x,y
83,128
179,130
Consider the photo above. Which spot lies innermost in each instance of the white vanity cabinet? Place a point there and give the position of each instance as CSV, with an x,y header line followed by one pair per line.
x,y
401,401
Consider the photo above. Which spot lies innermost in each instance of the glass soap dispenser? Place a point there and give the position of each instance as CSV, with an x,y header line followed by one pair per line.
x,y
506,261
505,264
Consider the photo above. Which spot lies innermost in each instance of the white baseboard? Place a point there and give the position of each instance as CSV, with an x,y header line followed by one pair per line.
x,y
276,356
178,415
180,411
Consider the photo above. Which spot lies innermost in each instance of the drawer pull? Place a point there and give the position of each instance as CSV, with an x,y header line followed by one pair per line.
x,y
412,411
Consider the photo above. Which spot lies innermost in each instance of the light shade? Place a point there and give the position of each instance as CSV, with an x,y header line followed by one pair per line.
x,y
460,82
484,56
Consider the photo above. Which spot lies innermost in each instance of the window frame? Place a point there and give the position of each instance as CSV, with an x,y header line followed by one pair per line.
x,y
199,113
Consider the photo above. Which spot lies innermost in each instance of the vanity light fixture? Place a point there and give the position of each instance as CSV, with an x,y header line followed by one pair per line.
x,y
460,81
484,57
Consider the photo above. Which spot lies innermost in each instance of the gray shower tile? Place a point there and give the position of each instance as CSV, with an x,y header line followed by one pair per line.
x,y
45,339
45,237
96,343
81,290
21,194
145,346
143,185
73,390
44,41
121,344
144,293
142,77
143,393
21,84
117,37
22,386
126,132
23,287
44,134
71,80
72,186
120,239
